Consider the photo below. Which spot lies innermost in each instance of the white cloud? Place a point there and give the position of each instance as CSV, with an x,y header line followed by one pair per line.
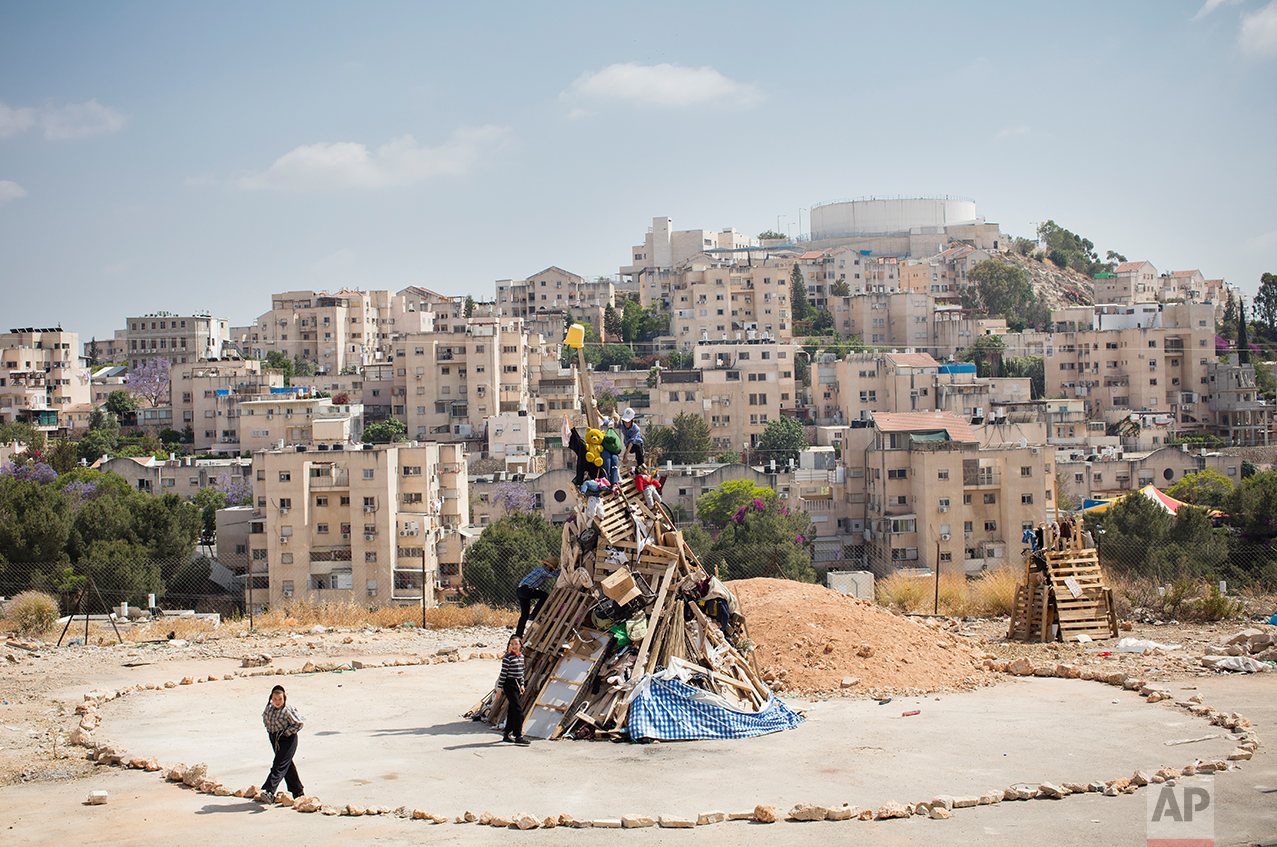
x,y
342,260
1013,131
14,121
1259,31
10,190
664,86
402,161
1211,5
60,123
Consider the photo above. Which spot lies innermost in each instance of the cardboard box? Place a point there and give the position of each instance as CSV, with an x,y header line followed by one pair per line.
x,y
620,587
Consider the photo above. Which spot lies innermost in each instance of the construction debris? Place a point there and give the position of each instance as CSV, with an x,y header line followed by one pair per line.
x,y
1063,596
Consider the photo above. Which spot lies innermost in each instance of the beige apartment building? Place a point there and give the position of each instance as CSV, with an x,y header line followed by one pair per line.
x,y
42,376
916,382
555,289
185,476
931,492
447,383
178,339
1148,361
1108,472
347,329
376,526
284,419
743,386
1131,282
206,396
1236,411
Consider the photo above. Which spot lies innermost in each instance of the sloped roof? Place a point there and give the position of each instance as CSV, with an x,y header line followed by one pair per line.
x,y
1184,273
957,428
1126,267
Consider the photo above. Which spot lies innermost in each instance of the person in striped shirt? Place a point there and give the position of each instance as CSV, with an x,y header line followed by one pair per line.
x,y
512,685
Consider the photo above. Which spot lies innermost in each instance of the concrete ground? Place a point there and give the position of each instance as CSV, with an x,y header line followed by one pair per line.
x,y
394,736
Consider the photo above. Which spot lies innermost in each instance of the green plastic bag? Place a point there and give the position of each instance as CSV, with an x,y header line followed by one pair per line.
x,y
618,632
612,442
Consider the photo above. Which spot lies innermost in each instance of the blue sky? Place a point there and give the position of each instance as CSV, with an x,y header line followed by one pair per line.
x,y
180,157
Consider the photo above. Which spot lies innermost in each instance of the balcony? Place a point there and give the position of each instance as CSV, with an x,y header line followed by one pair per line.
x,y
337,478
983,478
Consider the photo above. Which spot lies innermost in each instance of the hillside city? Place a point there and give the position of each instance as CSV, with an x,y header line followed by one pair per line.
x,y
923,386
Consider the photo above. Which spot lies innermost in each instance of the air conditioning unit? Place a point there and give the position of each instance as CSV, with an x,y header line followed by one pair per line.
x,y
369,537
283,539
784,495
943,509
283,510
368,508
944,536
345,536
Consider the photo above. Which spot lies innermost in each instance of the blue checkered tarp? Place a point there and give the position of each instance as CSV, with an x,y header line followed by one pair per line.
x,y
669,710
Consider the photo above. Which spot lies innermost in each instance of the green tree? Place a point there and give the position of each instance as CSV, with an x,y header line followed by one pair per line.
x,y
1132,528
615,354
278,361
728,457
716,507
1206,488
1265,380
987,353
1000,288
120,403
102,436
840,288
1266,302
385,432
468,308
783,439
63,456
802,370
764,538
1248,469
91,352
612,323
686,442
631,321
1033,367
800,307
1253,552
304,366
503,554
770,235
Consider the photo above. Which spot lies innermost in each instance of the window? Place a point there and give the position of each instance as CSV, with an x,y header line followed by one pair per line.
x,y
942,475
345,499
966,499
412,497
1026,499
259,553
943,503
990,498
1026,471
412,470
285,476
967,526
946,556
321,501
990,526
370,473
321,528
370,502
897,473
370,556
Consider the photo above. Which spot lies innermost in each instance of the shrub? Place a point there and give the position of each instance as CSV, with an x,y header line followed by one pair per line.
x,y
994,592
1216,607
32,612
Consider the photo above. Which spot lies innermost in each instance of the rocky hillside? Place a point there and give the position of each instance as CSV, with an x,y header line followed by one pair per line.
x,y
1060,287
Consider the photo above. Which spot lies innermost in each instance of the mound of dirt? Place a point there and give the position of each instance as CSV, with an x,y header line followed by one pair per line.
x,y
809,638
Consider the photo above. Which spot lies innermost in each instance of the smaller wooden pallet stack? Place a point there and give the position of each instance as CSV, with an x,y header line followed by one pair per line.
x,y
1063,595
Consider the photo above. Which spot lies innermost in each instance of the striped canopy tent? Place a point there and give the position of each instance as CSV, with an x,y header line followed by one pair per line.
x,y
1150,491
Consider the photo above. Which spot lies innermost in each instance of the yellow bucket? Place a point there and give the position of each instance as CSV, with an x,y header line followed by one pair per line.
x,y
576,336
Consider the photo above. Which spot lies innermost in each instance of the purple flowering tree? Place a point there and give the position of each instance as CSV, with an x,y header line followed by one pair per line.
x,y
37,472
78,492
513,497
150,381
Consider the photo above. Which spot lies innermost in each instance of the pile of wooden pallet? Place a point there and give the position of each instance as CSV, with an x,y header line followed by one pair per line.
x,y
577,674
1063,596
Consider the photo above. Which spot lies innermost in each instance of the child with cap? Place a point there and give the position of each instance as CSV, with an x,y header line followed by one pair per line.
x,y
633,437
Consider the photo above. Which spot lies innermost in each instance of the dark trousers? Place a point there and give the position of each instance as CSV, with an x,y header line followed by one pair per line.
x,y
636,451
514,709
283,768
526,610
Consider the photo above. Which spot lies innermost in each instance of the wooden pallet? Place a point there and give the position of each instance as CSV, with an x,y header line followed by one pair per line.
x,y
1068,600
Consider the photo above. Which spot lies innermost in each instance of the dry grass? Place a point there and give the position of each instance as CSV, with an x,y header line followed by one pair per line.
x,y
990,595
190,629
351,616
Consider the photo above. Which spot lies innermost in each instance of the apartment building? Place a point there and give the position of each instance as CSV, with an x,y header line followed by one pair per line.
x,y
1109,471
42,376
376,526
1236,412
887,318
1154,358
206,396
916,382
716,300
665,248
185,476
1130,282
448,382
555,289
743,385
178,339
297,418
931,492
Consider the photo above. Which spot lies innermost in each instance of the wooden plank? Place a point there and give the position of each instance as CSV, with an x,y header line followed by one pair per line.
x,y
640,662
